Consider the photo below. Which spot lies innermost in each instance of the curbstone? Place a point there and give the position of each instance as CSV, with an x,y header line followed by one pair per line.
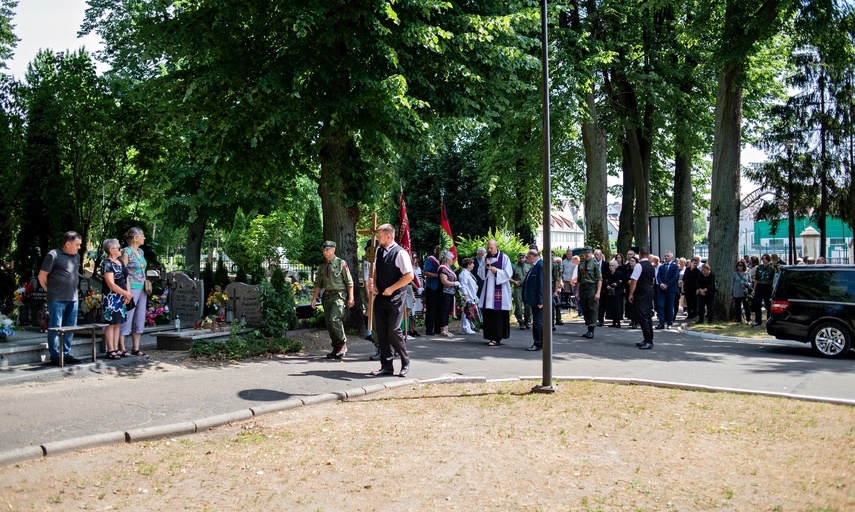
x,y
80,443
510,379
670,385
374,388
400,383
222,419
615,380
316,399
171,430
281,405
21,455
455,380
354,392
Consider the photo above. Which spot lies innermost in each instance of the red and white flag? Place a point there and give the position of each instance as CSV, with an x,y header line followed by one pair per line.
x,y
445,236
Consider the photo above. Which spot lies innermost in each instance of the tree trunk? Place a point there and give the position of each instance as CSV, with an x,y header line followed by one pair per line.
x,y
627,211
683,203
340,220
193,251
594,140
823,170
725,198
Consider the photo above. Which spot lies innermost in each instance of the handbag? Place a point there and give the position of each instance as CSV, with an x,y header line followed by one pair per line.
x,y
147,287
130,305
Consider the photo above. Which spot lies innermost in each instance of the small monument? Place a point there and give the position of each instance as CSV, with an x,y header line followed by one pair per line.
x,y
186,298
245,301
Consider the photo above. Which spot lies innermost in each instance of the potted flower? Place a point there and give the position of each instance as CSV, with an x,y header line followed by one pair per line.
x,y
21,301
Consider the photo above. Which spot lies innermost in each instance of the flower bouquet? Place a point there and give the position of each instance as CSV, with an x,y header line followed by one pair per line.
x,y
217,299
157,312
212,323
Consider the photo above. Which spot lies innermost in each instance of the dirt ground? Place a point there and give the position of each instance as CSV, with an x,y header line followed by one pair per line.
x,y
493,446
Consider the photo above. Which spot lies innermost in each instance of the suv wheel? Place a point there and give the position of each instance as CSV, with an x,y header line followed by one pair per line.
x,y
831,340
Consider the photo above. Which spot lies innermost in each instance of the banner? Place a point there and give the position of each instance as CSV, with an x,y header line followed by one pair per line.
x,y
404,227
446,240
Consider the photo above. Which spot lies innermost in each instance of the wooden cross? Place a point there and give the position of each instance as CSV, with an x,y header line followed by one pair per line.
x,y
369,257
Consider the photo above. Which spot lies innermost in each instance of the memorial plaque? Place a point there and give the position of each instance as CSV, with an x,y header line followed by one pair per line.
x,y
245,299
186,298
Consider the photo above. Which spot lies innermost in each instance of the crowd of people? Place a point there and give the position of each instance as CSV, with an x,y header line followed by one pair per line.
x,y
639,291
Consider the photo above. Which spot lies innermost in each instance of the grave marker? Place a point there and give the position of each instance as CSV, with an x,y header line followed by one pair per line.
x,y
186,298
245,299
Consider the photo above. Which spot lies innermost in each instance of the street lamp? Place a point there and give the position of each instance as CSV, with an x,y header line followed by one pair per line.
x,y
791,224
745,247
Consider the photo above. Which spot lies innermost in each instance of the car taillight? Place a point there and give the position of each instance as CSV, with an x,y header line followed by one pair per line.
x,y
780,306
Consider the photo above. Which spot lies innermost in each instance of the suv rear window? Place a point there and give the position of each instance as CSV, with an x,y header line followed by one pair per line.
x,y
828,286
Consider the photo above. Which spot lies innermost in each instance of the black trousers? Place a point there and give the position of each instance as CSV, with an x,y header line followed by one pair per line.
x,y
644,315
762,297
705,306
691,303
387,331
739,305
443,307
430,299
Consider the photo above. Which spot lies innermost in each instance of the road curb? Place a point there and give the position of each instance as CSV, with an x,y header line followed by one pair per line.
x,y
172,430
223,419
79,443
21,455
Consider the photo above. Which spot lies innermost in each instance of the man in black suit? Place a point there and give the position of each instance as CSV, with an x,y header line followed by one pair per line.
x,y
533,296
641,286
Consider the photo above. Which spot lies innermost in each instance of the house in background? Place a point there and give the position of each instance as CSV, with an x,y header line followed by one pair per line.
x,y
565,231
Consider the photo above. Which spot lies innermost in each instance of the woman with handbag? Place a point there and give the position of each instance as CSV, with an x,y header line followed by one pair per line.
x,y
117,296
740,291
134,260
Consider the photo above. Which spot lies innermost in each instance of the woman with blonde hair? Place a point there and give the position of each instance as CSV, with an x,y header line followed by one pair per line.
x,y
134,260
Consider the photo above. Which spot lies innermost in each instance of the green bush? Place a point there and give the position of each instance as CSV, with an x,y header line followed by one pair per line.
x,y
239,346
508,244
278,311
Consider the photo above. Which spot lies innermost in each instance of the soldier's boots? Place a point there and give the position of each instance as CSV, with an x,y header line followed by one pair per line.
x,y
338,354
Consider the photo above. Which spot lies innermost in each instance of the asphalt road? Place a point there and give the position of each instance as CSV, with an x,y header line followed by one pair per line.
x,y
42,405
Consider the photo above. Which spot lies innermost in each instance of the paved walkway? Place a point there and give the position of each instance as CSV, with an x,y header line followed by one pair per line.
x,y
51,405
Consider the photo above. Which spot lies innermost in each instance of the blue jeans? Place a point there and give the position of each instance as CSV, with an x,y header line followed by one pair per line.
x,y
537,325
60,314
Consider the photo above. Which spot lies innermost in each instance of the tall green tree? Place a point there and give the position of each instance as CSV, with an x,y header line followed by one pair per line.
x,y
743,26
310,251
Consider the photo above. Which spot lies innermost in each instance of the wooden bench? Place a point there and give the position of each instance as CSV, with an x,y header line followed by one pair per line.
x,y
93,328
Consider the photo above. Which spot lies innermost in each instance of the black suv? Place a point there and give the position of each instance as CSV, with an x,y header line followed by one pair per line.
x,y
815,303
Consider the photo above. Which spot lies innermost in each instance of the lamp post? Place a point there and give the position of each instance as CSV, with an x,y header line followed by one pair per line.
x,y
546,386
745,247
791,222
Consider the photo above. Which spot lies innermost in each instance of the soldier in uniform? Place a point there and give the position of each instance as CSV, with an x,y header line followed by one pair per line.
x,y
334,278
521,311
590,282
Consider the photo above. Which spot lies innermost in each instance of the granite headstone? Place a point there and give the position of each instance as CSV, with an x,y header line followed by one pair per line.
x,y
245,299
186,298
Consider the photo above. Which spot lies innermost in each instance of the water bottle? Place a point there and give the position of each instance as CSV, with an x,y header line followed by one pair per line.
x,y
177,323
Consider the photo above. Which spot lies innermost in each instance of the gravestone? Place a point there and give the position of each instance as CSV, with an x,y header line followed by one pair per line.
x,y
186,298
37,300
245,299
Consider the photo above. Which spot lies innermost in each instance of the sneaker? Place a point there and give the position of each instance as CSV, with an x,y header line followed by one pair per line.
x,y
369,337
409,337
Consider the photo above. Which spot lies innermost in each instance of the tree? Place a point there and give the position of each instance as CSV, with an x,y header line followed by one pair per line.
x,y
328,89
311,239
744,25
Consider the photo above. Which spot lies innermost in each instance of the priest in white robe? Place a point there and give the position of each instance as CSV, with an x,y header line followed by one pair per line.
x,y
496,300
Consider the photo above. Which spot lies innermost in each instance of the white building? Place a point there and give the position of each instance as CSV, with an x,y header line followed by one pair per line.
x,y
565,231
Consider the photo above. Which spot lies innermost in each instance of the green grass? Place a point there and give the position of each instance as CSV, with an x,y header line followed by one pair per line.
x,y
732,329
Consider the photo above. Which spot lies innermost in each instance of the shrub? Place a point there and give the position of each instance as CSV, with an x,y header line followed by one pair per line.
x,y
239,346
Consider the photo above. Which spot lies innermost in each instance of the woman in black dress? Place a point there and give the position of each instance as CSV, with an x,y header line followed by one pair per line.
x,y
614,282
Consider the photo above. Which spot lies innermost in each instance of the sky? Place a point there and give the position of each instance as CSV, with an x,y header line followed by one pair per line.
x,y
48,24
54,24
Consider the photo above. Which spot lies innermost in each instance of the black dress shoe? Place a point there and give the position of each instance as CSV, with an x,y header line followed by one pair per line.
x,y
600,324
383,372
376,356
534,348
589,335
69,359
660,326
646,346
404,370
559,323
640,343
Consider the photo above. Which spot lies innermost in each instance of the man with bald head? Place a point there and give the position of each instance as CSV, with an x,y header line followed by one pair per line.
x,y
496,300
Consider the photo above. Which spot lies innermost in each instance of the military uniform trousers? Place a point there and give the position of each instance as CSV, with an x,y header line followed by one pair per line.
x,y
334,307
590,307
521,310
